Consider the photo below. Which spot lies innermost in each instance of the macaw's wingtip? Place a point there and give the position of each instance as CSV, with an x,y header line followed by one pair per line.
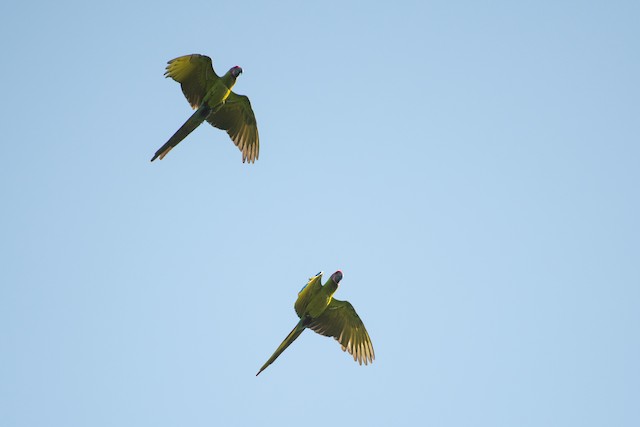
x,y
258,373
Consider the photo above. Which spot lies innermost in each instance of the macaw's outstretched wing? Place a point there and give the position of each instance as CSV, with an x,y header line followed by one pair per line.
x,y
237,118
341,321
195,75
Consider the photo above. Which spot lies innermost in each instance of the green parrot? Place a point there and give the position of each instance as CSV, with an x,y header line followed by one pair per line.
x,y
213,100
322,313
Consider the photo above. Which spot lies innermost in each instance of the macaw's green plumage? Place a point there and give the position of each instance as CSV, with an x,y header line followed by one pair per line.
x,y
319,311
213,100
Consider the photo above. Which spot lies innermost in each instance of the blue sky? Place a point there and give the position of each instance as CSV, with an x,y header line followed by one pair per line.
x,y
471,167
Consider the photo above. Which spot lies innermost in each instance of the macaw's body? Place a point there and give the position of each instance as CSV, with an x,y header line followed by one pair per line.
x,y
213,100
322,313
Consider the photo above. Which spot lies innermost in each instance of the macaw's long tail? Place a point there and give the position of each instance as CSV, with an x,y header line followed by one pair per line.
x,y
295,333
192,122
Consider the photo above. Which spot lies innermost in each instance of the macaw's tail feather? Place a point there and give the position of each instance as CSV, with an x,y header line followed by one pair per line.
x,y
192,122
295,333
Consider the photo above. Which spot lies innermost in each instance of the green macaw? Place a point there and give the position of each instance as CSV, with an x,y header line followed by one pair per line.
x,y
320,312
213,100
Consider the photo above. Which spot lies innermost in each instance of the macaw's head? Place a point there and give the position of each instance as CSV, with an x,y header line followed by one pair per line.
x,y
337,276
333,282
235,71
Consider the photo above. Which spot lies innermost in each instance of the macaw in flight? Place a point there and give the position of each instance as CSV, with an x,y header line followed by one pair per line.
x,y
322,313
213,100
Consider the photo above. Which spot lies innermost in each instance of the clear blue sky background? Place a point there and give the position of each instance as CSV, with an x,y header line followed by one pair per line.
x,y
471,167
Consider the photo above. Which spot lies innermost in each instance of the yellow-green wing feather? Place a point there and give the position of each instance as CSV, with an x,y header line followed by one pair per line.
x,y
307,293
195,75
237,118
341,321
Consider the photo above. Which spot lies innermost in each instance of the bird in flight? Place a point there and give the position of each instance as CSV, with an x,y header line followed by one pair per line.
x,y
213,100
322,313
